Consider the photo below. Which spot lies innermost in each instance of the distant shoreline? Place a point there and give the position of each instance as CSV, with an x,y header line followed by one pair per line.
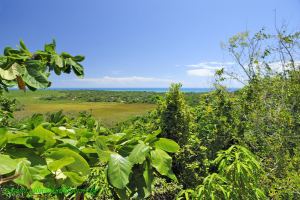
x,y
158,90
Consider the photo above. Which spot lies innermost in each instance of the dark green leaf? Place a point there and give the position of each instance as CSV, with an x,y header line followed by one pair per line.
x,y
25,177
79,166
167,145
78,58
44,135
162,162
118,171
35,78
7,164
139,153
60,163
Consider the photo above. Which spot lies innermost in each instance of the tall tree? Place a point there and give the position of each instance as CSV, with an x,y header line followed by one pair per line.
x,y
175,115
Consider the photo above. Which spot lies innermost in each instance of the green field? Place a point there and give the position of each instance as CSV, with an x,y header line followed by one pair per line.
x,y
107,112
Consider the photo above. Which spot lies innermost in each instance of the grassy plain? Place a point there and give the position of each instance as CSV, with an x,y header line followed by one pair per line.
x,y
107,112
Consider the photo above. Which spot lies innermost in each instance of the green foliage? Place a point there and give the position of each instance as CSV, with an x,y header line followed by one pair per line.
x,y
7,106
128,97
61,155
238,177
133,161
211,143
118,171
164,190
24,68
10,164
216,120
33,152
61,151
62,162
263,116
191,164
139,153
269,111
167,145
162,162
174,115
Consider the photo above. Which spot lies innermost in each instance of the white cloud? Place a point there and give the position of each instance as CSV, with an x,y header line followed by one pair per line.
x,y
130,79
206,69
200,72
278,66
119,82
211,65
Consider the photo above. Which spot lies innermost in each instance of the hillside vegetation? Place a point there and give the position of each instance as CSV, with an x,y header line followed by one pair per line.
x,y
109,107
108,113
241,145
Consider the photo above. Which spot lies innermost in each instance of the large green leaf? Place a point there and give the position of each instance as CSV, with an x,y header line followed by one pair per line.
x,y
77,68
31,154
167,145
148,176
79,165
139,153
58,61
118,171
78,58
59,131
12,72
18,138
28,174
104,155
39,172
5,63
38,187
60,163
65,55
35,120
7,164
25,177
152,136
102,149
73,179
117,137
44,135
34,77
162,162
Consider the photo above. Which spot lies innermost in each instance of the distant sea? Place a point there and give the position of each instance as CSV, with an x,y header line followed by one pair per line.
x,y
159,90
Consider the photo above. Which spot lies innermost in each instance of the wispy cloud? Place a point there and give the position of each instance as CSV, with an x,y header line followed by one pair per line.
x,y
129,79
210,65
125,81
206,69
278,66
200,72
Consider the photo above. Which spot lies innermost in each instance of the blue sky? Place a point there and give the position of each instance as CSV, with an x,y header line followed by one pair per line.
x,y
140,43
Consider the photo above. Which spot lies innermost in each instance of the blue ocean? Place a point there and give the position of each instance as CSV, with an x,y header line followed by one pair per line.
x,y
159,90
